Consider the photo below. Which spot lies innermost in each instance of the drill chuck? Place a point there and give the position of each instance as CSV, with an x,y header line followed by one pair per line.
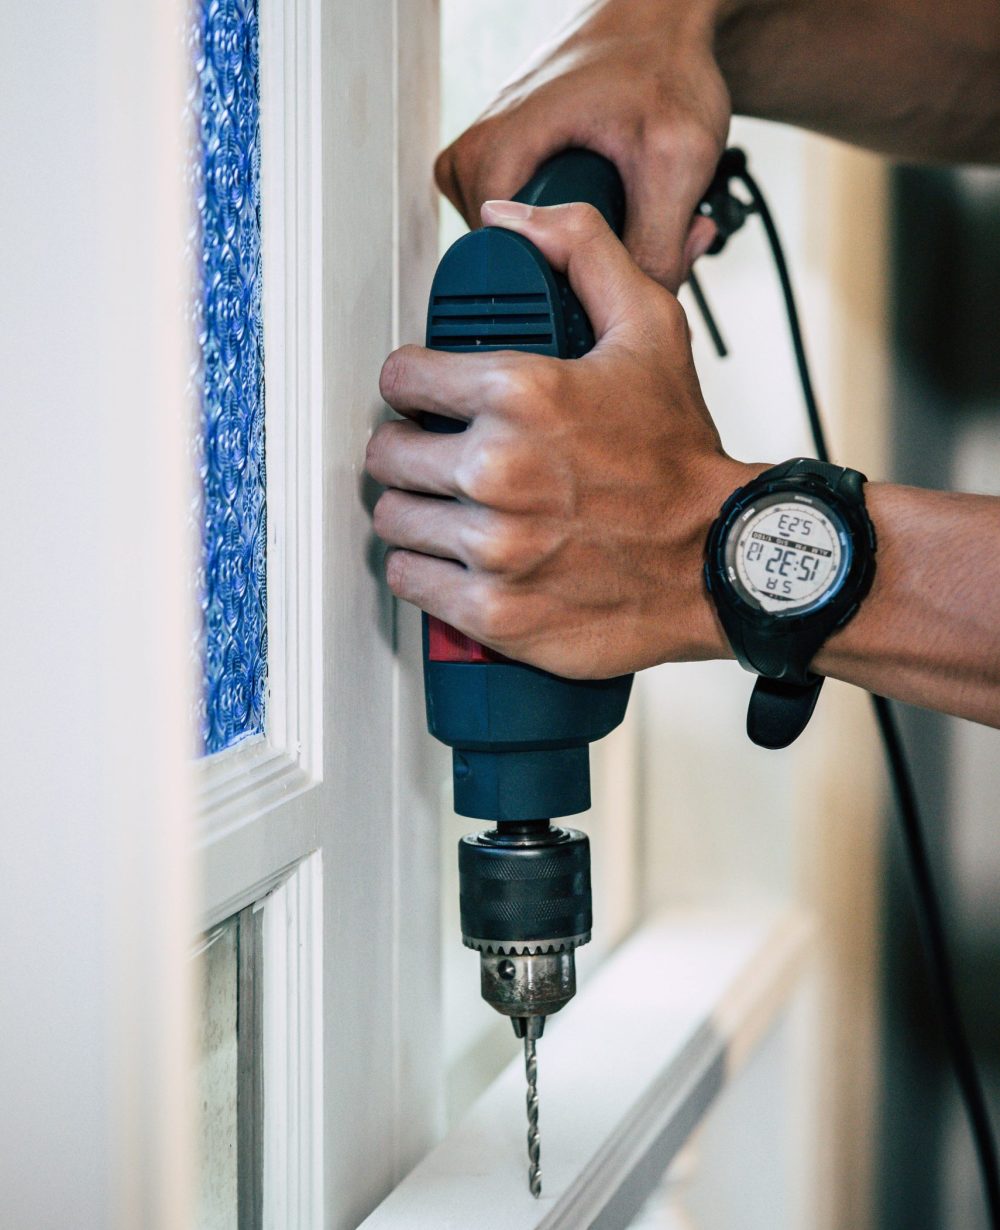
x,y
525,907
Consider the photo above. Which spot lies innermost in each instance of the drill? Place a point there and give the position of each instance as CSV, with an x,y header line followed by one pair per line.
x,y
519,736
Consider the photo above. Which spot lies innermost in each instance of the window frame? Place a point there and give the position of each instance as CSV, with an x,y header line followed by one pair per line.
x,y
626,1075
330,811
237,785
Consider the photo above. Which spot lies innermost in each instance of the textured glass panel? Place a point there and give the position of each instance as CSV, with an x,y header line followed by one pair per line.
x,y
232,582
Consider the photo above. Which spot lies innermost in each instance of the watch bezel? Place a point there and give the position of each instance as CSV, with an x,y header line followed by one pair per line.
x,y
731,545
852,528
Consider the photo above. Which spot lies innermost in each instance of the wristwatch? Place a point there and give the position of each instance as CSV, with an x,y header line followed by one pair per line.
x,y
789,560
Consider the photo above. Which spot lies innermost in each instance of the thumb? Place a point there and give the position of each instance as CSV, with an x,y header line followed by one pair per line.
x,y
577,241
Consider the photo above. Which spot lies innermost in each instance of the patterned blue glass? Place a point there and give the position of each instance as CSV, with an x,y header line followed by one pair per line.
x,y
230,370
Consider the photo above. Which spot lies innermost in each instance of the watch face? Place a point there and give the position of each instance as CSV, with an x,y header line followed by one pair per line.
x,y
787,553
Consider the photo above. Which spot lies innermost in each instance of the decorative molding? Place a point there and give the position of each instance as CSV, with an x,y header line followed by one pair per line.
x,y
237,786
293,1050
626,1074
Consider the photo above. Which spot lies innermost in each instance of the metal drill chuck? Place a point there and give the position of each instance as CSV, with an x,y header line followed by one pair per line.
x,y
526,907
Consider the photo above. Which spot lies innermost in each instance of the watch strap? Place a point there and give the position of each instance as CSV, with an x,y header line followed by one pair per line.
x,y
779,712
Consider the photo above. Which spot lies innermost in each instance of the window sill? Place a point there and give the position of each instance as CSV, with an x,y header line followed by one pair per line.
x,y
626,1073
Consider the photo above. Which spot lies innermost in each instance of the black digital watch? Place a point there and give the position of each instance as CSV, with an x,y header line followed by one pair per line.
x,y
788,561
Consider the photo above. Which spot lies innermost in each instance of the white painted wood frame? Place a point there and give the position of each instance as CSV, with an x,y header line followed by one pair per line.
x,y
351,1070
292,953
625,1075
241,783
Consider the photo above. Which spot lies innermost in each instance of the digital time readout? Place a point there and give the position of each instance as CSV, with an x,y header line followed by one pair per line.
x,y
788,556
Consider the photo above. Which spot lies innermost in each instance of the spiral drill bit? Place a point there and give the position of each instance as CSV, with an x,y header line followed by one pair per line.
x,y
534,1148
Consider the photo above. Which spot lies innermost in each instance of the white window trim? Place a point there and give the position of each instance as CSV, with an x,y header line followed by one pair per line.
x,y
237,786
293,1049
625,1076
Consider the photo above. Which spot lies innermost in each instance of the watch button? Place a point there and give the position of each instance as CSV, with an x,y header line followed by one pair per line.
x,y
872,537
708,576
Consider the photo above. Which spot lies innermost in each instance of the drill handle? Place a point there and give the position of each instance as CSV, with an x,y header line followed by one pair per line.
x,y
579,175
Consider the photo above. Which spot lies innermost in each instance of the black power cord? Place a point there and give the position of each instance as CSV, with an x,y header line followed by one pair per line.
x,y
926,897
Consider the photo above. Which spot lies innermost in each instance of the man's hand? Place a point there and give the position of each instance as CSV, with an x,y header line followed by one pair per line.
x,y
651,85
635,80
565,527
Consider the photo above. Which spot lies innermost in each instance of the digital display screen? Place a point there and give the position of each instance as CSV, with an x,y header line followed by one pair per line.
x,y
787,555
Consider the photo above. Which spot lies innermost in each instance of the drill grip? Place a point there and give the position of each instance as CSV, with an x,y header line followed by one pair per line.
x,y
579,175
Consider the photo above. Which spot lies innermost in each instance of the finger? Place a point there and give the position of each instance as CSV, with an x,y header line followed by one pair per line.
x,y
415,379
576,239
439,587
432,526
467,176
403,455
663,195
446,178
484,162
700,238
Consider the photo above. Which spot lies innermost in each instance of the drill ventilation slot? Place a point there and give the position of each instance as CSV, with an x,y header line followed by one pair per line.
x,y
495,321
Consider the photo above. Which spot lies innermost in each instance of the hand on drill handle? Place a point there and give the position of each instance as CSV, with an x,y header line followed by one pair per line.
x,y
565,527
635,80
651,84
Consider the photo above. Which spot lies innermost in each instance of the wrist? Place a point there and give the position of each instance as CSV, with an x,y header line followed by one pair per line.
x,y
736,46
663,26
853,643
714,484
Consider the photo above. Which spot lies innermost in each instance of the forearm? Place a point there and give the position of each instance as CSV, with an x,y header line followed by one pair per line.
x,y
929,631
912,78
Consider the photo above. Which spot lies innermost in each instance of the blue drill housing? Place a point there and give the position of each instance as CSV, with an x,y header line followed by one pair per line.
x,y
520,736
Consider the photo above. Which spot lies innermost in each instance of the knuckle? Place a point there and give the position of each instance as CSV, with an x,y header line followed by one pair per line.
x,y
700,144
496,549
444,168
492,614
530,389
673,138
486,473
512,385
375,450
671,319
394,376
585,220
397,572
506,386
384,513
459,169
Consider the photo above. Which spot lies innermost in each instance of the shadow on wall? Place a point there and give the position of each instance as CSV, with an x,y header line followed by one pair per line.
x,y
946,434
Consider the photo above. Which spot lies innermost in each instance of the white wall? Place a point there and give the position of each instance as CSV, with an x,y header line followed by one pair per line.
x,y
94,637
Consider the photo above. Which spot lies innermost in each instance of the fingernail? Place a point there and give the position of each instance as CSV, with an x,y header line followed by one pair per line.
x,y
512,210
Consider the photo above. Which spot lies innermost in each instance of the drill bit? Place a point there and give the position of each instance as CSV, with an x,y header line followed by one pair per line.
x,y
534,1148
